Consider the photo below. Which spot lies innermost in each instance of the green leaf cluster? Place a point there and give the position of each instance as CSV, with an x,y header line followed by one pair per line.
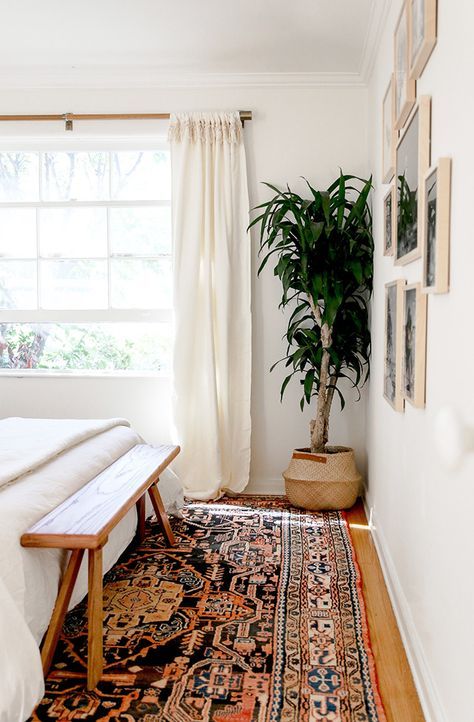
x,y
322,250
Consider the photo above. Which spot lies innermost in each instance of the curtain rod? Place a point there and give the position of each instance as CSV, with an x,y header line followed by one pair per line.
x,y
69,117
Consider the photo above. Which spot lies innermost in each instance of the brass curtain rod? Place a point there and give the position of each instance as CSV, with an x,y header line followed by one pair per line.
x,y
69,117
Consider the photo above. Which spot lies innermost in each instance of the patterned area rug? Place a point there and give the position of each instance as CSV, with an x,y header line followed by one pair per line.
x,y
255,616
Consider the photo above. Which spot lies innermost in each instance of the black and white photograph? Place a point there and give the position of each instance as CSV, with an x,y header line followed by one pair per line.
x,y
436,227
422,23
412,161
414,345
389,133
393,343
409,342
407,190
389,202
417,27
430,237
405,87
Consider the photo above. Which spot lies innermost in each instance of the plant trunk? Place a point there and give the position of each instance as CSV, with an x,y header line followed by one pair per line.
x,y
319,428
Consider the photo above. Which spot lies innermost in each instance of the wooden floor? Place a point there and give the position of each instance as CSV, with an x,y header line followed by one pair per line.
x,y
395,680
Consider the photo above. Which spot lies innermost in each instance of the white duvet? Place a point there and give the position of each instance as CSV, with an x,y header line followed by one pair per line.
x,y
52,460
26,444
22,684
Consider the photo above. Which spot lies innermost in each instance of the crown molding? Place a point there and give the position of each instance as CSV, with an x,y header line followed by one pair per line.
x,y
377,19
103,77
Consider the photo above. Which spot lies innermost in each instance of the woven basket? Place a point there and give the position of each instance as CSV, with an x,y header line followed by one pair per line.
x,y
322,481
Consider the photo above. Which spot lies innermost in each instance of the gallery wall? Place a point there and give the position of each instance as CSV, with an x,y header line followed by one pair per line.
x,y
422,513
295,132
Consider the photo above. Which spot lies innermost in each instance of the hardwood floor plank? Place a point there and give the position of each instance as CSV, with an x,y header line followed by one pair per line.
x,y
396,684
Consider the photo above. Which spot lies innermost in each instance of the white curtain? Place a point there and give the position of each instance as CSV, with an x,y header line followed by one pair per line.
x,y
212,349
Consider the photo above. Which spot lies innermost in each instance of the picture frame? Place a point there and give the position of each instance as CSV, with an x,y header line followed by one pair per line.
x,y
405,86
436,227
389,211
389,139
422,40
414,345
411,163
393,345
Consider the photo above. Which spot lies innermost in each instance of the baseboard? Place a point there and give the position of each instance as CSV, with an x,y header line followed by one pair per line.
x,y
424,683
265,486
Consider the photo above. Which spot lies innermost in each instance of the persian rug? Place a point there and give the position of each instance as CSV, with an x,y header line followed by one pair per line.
x,y
256,615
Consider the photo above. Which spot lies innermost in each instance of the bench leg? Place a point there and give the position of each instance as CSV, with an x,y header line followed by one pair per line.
x,y
140,535
161,514
95,620
60,609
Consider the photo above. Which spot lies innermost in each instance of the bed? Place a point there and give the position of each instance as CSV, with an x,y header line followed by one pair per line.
x,y
43,462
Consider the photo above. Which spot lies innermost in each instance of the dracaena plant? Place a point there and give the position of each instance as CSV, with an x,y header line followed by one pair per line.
x,y
323,250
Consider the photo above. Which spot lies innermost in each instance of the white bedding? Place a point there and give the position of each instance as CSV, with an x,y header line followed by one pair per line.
x,y
31,576
22,682
26,444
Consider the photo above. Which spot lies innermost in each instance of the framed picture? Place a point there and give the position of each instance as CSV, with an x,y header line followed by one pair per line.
x,y
411,163
405,87
414,345
389,133
422,39
392,378
436,227
389,206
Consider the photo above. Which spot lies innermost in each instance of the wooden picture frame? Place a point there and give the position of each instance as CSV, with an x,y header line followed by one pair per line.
x,y
389,212
422,39
405,87
389,134
414,345
411,163
393,344
436,227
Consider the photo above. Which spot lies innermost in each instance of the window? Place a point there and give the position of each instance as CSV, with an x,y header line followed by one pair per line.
x,y
85,260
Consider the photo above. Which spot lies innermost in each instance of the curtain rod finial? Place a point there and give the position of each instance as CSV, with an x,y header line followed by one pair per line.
x,y
245,115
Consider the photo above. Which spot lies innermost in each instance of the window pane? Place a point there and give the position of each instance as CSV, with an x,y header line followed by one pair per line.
x,y
141,283
76,176
87,347
19,177
73,284
18,232
140,231
141,175
18,284
73,232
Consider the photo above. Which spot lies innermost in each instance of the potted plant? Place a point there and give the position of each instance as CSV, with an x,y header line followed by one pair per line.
x,y
323,248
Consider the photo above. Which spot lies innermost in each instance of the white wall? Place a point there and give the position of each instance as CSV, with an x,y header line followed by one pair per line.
x,y
423,514
295,132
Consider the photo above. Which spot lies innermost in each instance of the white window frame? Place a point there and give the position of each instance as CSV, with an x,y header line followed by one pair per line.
x,y
44,144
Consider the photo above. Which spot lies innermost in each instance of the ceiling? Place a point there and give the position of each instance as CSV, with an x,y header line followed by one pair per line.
x,y
187,36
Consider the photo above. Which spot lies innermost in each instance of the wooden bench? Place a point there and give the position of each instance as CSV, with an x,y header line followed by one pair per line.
x,y
84,521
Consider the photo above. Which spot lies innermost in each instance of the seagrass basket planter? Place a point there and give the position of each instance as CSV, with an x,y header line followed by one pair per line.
x,y
326,481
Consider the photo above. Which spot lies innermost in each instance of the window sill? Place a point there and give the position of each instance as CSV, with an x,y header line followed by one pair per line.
x,y
39,374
